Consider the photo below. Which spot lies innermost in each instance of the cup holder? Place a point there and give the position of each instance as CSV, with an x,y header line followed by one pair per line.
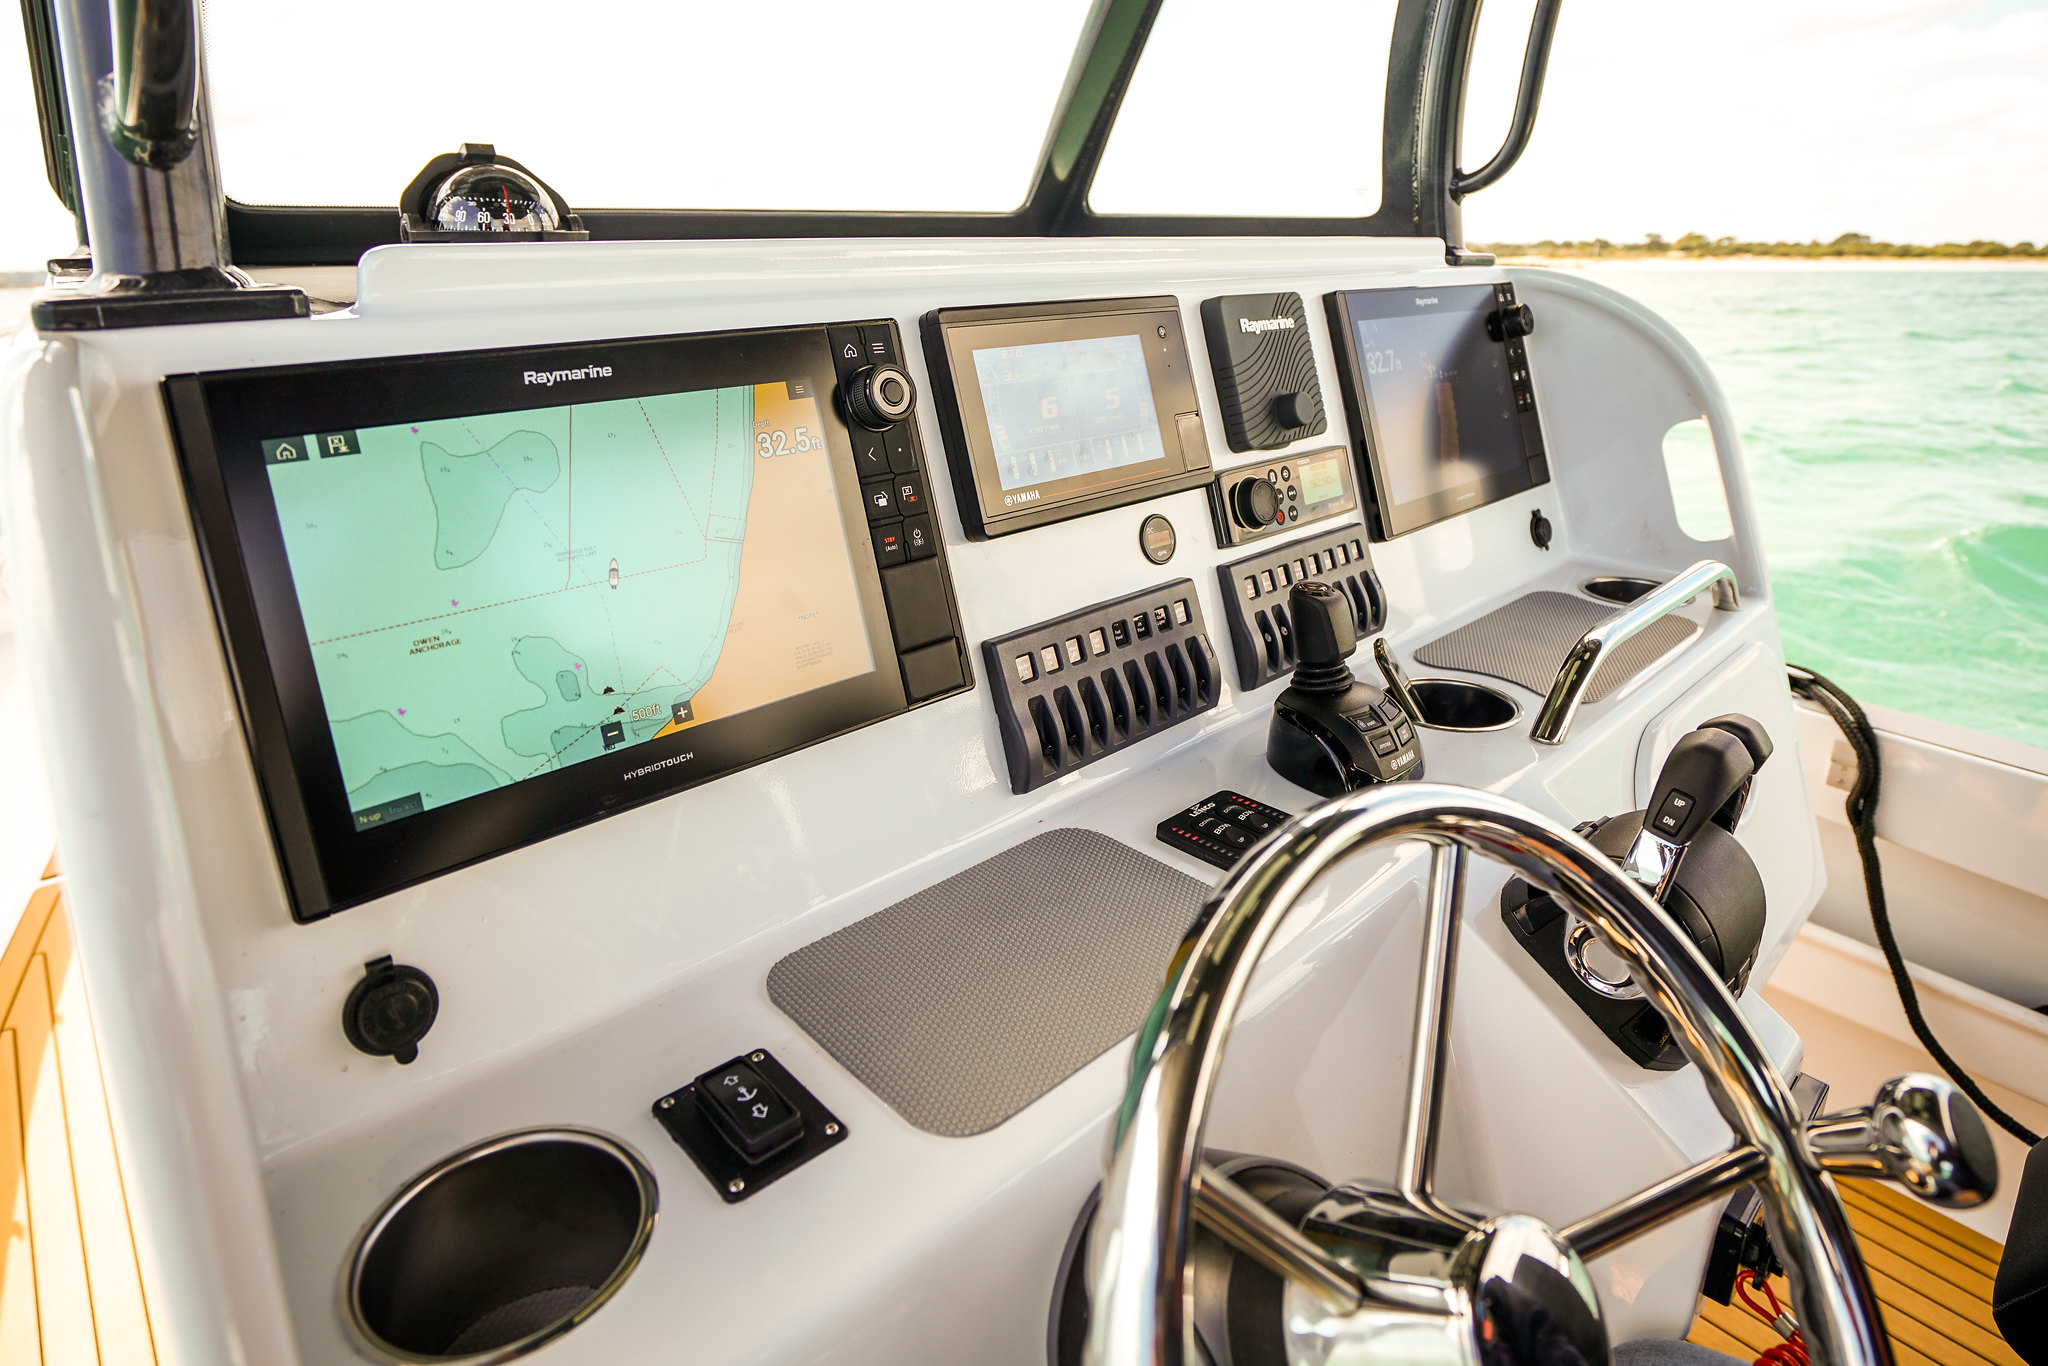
x,y
1618,588
500,1248
1453,704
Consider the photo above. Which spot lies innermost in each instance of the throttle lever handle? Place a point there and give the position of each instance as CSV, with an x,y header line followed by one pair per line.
x,y
1705,768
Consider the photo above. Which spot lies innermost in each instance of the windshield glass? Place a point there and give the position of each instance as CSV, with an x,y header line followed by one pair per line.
x,y
644,103
1275,109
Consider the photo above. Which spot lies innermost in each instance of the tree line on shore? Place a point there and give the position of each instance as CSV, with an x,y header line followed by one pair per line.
x,y
1693,244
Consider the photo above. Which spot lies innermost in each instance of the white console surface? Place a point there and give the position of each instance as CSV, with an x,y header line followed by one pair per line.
x,y
584,976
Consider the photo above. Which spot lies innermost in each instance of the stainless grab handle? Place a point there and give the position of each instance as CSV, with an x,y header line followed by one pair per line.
x,y
1554,720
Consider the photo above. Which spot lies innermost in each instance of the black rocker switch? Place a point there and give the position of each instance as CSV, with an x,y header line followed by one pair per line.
x,y
748,1112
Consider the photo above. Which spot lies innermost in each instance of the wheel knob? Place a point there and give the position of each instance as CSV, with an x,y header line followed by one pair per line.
x,y
1255,503
880,396
1921,1132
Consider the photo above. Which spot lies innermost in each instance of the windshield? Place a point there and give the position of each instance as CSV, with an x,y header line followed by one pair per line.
x,y
1280,114
644,103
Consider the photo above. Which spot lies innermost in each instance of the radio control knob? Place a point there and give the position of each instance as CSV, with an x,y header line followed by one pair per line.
x,y
1255,503
880,396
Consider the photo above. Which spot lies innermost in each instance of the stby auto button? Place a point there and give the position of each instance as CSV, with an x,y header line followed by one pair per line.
x,y
747,1112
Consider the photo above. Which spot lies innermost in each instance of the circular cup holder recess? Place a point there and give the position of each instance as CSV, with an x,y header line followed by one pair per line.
x,y
1618,587
500,1248
1453,704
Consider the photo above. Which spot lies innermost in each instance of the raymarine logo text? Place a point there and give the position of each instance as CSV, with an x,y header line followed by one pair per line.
x,y
1265,324
564,376
1425,303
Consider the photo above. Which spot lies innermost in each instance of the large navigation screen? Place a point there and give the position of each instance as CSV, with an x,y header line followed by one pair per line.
x,y
1063,408
476,599
490,598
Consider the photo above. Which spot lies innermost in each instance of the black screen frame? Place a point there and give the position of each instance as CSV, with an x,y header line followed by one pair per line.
x,y
1384,516
953,335
218,420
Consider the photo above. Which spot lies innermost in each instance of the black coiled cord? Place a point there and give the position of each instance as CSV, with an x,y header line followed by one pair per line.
x,y
1862,812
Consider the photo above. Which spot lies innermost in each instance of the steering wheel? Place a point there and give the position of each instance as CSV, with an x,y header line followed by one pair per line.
x,y
1392,1273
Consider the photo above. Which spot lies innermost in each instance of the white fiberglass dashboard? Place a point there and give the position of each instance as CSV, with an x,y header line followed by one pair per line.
x,y
586,967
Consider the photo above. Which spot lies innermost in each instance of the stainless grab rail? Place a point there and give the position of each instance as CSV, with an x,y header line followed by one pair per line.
x,y
1554,719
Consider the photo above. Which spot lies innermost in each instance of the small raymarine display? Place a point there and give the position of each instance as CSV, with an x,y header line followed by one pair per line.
x,y
1436,384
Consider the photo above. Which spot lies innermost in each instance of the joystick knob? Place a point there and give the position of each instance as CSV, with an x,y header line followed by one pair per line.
x,y
1255,503
1325,635
880,396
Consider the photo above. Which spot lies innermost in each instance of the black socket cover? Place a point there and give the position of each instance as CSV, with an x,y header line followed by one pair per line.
x,y
390,1010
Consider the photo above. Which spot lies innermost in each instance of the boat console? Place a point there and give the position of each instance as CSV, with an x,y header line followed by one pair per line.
x,y
733,739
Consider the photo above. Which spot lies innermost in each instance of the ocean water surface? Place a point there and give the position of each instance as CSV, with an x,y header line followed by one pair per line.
x,y
1895,424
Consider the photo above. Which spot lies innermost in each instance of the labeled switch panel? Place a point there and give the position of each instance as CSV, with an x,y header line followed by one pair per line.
x,y
746,1123
1255,591
1071,690
1222,827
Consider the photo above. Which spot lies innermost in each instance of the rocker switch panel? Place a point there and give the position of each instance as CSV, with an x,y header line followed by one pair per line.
x,y
748,1112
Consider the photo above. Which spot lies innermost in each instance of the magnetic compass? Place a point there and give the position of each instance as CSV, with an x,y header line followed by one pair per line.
x,y
477,195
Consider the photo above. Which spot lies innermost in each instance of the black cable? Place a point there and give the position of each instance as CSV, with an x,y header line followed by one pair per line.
x,y
1861,809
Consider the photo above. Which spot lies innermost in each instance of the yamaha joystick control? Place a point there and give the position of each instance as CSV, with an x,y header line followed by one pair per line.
x,y
1331,733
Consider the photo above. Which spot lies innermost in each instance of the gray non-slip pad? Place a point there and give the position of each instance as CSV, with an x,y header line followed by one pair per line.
x,y
964,1003
1526,640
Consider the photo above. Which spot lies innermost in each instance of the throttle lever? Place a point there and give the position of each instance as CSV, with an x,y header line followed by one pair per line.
x,y
1757,741
1706,769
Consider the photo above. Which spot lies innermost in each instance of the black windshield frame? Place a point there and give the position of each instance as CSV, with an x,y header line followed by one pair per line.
x,y
1426,69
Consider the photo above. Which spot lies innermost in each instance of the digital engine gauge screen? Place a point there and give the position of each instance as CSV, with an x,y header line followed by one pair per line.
x,y
1066,408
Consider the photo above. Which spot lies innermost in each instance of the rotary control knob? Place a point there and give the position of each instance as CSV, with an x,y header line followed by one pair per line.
x,y
1511,323
1254,503
1290,410
880,396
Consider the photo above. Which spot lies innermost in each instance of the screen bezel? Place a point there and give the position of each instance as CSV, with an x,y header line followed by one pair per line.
x,y
219,419
952,336
1385,517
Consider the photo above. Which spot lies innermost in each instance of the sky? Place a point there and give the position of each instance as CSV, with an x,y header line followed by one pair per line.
x,y
1908,120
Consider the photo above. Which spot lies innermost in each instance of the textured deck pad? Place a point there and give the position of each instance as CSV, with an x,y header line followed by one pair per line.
x,y
966,1002
1526,640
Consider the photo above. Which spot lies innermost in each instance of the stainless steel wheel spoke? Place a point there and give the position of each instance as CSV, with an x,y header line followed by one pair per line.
x,y
1230,1212
1430,1048
1601,1233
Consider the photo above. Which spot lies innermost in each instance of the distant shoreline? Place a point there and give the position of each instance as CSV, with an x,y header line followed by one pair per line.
x,y
1683,261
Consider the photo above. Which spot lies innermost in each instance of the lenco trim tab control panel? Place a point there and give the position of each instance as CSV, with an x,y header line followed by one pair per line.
x,y
1055,410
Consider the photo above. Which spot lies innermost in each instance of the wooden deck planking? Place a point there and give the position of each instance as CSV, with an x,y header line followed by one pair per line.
x,y
1931,1275
71,1290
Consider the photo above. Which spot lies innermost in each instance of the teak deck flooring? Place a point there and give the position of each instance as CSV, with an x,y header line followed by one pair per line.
x,y
71,1288
1932,1277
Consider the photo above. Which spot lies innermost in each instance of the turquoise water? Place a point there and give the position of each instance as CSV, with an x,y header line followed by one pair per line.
x,y
1896,428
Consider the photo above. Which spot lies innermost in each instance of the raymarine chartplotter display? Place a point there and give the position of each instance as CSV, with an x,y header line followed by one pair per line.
x,y
495,595
1436,384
